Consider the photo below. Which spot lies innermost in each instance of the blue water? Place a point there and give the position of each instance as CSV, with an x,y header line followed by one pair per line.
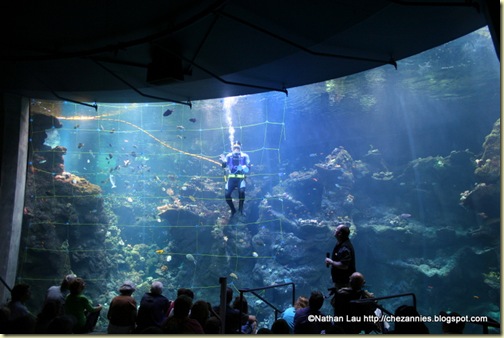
x,y
439,104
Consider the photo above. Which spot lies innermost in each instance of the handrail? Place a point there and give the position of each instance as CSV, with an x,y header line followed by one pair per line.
x,y
368,300
253,291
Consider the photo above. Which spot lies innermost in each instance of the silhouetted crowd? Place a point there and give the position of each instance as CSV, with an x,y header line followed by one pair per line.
x,y
67,310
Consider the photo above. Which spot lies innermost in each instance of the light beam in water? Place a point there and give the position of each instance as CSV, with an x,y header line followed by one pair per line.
x,y
229,103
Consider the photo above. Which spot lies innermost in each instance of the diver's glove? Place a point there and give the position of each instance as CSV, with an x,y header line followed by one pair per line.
x,y
245,169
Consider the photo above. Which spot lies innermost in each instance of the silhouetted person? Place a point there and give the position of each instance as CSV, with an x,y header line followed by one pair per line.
x,y
153,308
58,293
233,319
200,311
122,312
280,326
342,260
180,323
453,327
303,324
409,327
344,307
21,320
81,307
288,314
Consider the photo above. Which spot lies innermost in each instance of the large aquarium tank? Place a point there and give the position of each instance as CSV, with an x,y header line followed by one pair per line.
x,y
409,159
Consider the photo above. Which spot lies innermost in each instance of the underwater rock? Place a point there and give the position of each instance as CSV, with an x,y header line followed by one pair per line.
x,y
303,189
336,173
39,123
488,167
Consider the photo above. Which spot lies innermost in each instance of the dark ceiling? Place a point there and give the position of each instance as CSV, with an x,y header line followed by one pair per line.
x,y
186,50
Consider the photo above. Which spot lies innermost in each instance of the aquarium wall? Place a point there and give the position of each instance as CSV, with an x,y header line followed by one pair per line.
x,y
408,158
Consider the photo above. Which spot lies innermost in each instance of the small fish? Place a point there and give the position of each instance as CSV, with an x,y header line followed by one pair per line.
x,y
313,155
181,137
255,254
476,297
112,130
159,252
127,163
233,275
192,119
76,126
101,128
192,198
42,162
110,156
191,258
112,180
168,258
180,127
168,112
405,216
80,145
129,199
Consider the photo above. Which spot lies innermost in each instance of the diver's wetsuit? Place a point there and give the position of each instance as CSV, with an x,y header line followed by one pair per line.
x,y
238,165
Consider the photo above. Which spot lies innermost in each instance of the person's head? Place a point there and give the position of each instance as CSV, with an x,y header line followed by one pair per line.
x,y
357,281
66,281
183,305
127,288
280,326
236,147
301,302
200,311
342,233
243,304
156,288
316,300
409,327
77,286
20,292
453,324
187,292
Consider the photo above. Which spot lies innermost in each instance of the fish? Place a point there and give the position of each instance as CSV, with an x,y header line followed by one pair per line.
x,y
180,127
191,258
192,198
168,258
110,156
159,252
192,119
168,112
476,297
181,137
76,126
405,216
80,145
129,199
112,180
42,162
255,254
233,275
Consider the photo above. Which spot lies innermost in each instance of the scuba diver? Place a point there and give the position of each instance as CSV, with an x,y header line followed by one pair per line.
x,y
237,164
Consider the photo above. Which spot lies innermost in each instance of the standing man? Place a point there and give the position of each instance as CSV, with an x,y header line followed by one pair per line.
x,y
342,260
237,164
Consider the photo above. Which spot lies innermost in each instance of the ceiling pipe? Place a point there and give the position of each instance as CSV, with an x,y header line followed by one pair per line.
x,y
95,106
188,103
307,50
